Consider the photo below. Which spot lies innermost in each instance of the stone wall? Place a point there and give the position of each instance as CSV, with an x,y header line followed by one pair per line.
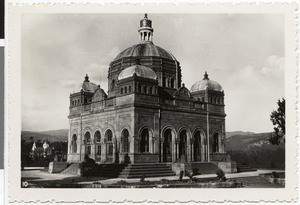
x,y
227,167
146,158
57,167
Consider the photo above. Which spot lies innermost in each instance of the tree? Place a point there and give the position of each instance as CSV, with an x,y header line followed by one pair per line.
x,y
277,117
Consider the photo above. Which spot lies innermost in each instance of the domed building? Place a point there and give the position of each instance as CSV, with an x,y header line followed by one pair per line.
x,y
147,114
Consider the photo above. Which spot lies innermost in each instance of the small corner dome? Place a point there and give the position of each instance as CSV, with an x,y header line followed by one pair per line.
x,y
206,83
138,70
86,86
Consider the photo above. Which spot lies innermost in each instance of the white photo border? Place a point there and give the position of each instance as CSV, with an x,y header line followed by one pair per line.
x,y
13,109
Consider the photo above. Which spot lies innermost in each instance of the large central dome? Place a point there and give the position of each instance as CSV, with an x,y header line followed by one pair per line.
x,y
145,53
144,49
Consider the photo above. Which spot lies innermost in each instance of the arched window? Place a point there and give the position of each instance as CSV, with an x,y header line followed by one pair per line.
x,y
112,85
125,89
129,90
172,83
183,143
110,147
74,144
109,135
139,88
125,140
197,146
150,90
164,82
145,89
121,91
144,143
87,139
97,138
216,142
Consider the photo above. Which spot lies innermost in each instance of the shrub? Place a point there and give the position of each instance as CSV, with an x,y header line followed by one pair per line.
x,y
122,182
164,181
221,175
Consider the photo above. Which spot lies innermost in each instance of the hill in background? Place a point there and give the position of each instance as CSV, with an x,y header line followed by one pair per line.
x,y
230,134
254,149
51,136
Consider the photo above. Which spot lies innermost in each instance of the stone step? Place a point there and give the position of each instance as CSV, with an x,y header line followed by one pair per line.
x,y
147,175
149,170
110,170
147,165
145,172
244,168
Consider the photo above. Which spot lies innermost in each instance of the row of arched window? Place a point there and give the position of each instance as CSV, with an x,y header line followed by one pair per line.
x,y
168,82
201,99
126,89
147,89
144,142
97,141
75,102
215,100
145,36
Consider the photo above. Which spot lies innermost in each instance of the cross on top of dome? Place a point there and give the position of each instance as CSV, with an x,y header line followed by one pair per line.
x,y
86,78
205,76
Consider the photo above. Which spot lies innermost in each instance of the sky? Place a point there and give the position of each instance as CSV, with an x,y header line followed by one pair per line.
x,y
242,52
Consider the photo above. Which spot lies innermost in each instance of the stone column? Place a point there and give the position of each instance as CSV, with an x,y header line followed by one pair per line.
x,y
173,151
176,159
132,145
188,148
114,151
150,145
161,150
177,150
93,149
192,152
188,151
103,152
153,144
83,148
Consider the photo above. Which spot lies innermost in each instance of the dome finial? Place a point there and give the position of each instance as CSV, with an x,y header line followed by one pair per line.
x,y
205,76
86,78
145,30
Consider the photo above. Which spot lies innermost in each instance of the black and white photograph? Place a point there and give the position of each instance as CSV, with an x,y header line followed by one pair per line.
x,y
151,99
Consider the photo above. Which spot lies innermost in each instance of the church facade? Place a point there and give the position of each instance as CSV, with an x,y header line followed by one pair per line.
x,y
147,114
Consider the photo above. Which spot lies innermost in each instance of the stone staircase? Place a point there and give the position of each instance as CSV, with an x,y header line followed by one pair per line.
x,y
244,168
72,169
148,170
110,170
